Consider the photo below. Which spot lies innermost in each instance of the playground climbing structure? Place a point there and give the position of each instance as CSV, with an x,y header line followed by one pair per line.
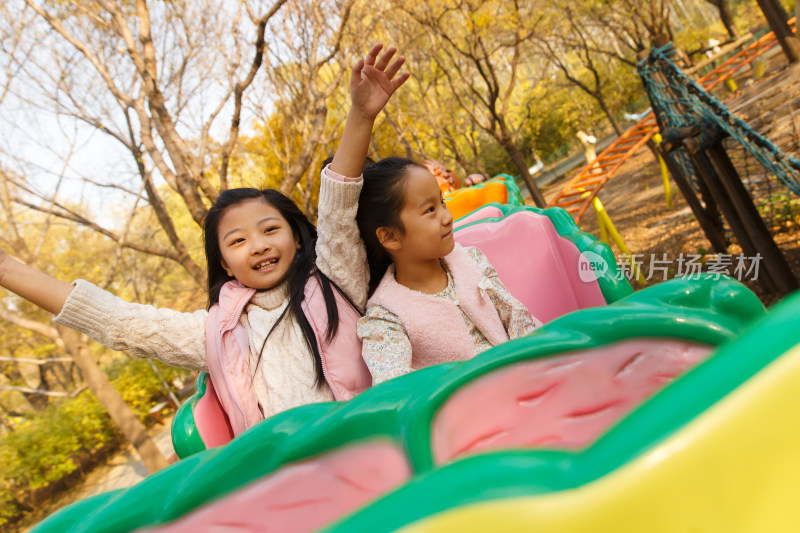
x,y
694,125
582,189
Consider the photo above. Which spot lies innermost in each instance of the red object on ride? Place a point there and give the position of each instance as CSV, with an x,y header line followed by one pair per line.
x,y
447,179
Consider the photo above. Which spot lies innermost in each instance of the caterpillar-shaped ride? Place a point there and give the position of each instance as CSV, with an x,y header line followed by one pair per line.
x,y
675,408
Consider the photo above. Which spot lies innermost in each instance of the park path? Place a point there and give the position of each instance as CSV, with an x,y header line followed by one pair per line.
x,y
571,163
125,469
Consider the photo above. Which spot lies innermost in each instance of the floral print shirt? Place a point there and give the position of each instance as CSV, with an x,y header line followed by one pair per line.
x,y
387,349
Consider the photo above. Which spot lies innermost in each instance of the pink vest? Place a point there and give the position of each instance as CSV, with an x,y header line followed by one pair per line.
x,y
434,325
228,351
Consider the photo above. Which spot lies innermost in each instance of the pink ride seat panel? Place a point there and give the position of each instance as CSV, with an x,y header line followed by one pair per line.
x,y
538,266
559,402
488,211
305,496
210,418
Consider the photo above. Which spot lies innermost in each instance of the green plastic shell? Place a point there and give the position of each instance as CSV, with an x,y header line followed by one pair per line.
x,y
706,310
186,440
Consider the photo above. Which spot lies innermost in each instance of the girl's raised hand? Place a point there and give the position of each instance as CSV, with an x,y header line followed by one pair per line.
x,y
373,80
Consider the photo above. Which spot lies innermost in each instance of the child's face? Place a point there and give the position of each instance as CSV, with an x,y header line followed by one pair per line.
x,y
427,223
256,242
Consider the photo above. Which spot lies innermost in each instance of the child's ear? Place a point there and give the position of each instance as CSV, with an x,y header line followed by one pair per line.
x,y
225,267
389,238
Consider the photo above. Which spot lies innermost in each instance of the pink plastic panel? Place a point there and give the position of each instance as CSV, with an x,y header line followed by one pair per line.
x,y
210,418
562,402
537,265
488,211
304,496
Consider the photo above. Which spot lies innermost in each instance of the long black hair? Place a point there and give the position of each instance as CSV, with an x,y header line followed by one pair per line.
x,y
302,268
379,205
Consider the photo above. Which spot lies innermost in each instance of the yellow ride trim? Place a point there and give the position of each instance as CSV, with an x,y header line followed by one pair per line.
x,y
607,229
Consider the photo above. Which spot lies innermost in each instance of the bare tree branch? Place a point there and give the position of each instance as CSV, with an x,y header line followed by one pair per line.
x,y
32,361
240,87
59,394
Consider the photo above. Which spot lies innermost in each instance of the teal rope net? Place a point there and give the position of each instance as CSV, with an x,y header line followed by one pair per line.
x,y
678,101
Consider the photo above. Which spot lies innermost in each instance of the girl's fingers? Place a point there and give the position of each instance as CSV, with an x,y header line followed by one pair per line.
x,y
372,64
355,76
385,58
395,67
400,81
373,54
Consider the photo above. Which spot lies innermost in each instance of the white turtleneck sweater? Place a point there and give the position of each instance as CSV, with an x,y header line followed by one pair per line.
x,y
286,375
285,357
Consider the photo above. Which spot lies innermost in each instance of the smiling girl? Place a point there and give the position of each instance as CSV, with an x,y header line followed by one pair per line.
x,y
280,330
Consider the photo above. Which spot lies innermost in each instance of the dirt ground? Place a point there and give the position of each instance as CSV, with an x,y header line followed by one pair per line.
x,y
635,200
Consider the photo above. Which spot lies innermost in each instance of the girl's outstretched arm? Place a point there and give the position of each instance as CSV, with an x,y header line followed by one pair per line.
x,y
34,285
143,330
372,83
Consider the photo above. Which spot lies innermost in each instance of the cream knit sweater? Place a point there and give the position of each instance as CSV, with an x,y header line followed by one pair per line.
x,y
285,376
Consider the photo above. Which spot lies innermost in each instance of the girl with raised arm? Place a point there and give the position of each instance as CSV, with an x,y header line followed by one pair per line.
x,y
433,301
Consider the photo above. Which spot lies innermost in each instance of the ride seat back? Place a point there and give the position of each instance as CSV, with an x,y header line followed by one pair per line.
x,y
201,422
211,420
487,211
538,266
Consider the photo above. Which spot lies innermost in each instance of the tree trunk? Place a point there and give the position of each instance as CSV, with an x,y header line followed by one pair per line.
x,y
611,118
37,402
110,398
519,160
776,18
726,15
